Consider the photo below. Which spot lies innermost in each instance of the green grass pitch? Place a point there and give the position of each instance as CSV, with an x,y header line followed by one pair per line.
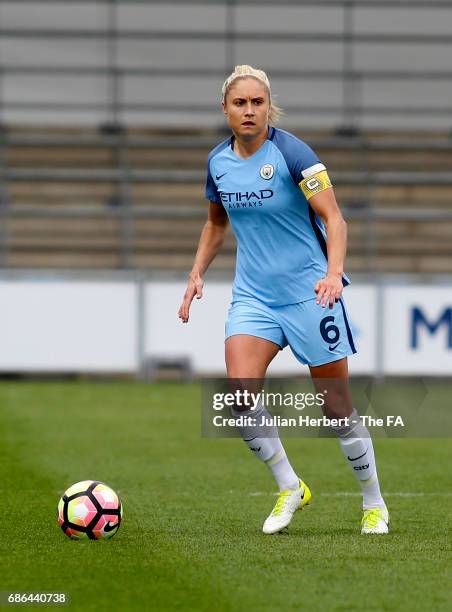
x,y
193,509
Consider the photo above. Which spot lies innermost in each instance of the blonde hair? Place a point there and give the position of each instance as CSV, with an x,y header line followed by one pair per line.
x,y
244,71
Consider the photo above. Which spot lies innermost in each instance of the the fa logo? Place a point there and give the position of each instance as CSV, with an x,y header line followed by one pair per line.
x,y
267,171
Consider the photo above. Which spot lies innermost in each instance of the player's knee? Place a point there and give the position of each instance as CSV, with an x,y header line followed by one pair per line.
x,y
245,386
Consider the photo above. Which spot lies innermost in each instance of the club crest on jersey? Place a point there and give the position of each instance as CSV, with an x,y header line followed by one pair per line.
x,y
267,171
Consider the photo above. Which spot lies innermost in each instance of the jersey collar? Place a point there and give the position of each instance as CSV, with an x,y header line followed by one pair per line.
x,y
270,135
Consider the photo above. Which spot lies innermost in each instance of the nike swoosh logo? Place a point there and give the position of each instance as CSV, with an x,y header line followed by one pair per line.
x,y
110,526
356,458
218,176
331,348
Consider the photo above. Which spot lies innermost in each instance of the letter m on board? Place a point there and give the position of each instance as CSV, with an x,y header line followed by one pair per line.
x,y
418,320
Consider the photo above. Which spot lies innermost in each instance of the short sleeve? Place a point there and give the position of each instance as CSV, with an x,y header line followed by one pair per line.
x,y
211,189
306,169
301,160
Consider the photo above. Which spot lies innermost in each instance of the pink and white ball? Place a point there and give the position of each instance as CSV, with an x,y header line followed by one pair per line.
x,y
90,509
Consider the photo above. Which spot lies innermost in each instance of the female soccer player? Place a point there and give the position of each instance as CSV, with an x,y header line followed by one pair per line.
x,y
291,240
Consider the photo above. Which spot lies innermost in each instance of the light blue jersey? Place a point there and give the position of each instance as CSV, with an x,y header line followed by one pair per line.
x,y
281,242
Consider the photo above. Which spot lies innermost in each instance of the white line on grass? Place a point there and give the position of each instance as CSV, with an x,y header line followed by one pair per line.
x,y
358,494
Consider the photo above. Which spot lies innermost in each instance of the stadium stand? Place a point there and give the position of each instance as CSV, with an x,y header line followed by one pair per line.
x,y
85,184
83,199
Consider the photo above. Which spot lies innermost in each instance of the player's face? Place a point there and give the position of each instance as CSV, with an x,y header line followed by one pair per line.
x,y
246,107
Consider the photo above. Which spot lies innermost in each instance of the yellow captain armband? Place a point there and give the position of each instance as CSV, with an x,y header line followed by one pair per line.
x,y
315,183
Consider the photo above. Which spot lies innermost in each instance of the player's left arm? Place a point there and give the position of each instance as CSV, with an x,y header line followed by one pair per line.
x,y
330,287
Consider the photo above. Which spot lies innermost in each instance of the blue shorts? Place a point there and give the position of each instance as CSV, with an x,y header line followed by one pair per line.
x,y
316,335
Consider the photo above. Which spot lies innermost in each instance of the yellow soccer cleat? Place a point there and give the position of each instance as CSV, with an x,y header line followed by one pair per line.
x,y
289,501
375,520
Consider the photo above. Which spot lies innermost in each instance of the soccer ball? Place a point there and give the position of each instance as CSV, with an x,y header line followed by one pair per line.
x,y
90,509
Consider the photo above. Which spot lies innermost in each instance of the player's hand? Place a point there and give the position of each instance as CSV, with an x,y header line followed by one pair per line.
x,y
329,289
194,287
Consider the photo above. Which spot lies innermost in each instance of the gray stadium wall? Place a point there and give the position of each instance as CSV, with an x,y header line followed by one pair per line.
x,y
412,41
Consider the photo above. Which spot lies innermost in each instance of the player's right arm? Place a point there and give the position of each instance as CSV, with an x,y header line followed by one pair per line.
x,y
212,238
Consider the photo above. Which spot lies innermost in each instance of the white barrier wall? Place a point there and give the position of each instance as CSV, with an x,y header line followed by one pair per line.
x,y
202,337
68,326
115,326
418,330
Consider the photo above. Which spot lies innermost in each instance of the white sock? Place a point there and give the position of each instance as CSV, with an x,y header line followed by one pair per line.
x,y
269,449
282,471
356,444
